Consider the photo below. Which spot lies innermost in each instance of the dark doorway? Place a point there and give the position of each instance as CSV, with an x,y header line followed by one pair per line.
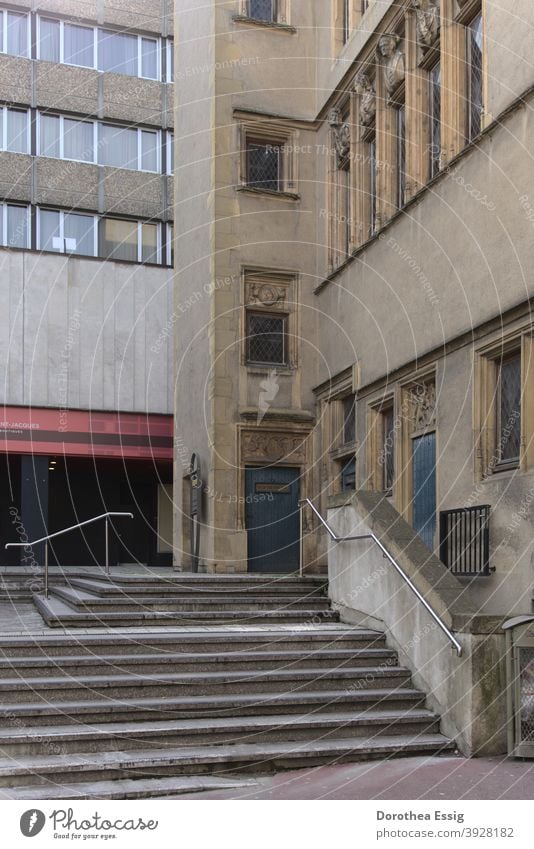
x,y
272,519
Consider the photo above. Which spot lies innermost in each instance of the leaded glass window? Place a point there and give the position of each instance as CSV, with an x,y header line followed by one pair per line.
x,y
349,419
435,119
264,165
388,449
509,409
474,77
263,10
266,338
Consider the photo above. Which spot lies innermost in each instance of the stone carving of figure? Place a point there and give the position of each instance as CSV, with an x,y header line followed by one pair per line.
x,y
388,49
427,15
424,406
341,131
364,87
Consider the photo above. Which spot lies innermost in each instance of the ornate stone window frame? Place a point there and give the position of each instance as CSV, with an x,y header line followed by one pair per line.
x,y
417,414
273,293
270,132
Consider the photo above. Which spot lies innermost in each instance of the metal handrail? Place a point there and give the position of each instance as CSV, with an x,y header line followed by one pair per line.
x,y
392,560
66,531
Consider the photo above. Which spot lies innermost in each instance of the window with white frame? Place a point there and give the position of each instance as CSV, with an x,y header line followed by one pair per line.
x,y
170,153
14,37
67,232
14,129
127,147
170,244
92,47
135,241
170,60
66,138
14,229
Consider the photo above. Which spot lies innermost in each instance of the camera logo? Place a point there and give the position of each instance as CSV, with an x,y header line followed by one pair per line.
x,y
32,822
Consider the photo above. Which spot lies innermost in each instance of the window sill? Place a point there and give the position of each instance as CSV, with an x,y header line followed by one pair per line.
x,y
282,369
276,26
268,193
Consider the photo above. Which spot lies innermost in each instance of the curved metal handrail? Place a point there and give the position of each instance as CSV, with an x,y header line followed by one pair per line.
x,y
394,563
66,531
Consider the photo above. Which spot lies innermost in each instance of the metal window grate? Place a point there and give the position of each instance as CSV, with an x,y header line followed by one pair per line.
x,y
509,409
264,165
464,540
263,10
266,339
526,696
474,80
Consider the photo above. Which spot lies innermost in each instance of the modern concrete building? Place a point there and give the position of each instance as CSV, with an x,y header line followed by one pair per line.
x,y
86,186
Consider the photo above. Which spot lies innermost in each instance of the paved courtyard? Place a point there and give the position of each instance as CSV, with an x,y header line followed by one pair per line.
x,y
403,778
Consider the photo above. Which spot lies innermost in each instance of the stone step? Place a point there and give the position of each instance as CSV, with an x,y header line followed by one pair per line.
x,y
97,710
118,686
157,641
33,667
108,737
146,788
82,600
218,760
300,589
57,614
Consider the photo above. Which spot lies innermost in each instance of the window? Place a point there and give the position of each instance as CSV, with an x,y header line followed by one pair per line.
x,y
170,244
67,232
126,147
509,409
346,20
123,53
263,10
475,99
266,338
170,60
66,138
264,165
170,153
14,225
371,181
135,241
401,156
387,456
14,130
348,475
91,47
349,419
14,35
435,119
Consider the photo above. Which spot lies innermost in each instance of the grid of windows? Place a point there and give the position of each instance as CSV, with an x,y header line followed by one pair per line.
x,y
14,130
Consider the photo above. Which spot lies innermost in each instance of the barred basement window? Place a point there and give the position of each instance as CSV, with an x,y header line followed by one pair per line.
x,y
435,119
475,98
264,165
266,338
509,410
263,10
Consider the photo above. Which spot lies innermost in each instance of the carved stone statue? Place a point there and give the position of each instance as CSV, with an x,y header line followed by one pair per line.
x,y
394,71
427,16
341,132
424,406
364,87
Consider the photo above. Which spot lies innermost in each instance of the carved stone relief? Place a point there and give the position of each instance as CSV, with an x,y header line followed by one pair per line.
x,y
427,17
273,447
266,295
341,133
365,89
423,406
393,57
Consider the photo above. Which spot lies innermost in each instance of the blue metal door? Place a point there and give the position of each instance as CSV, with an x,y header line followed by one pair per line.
x,y
424,487
272,519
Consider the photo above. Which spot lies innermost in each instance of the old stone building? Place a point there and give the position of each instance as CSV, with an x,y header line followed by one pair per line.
x,y
86,189
352,298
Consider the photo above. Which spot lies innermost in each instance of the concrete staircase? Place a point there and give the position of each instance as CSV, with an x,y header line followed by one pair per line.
x,y
138,712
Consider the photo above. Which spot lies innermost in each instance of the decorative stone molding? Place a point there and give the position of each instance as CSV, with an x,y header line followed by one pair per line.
x,y
423,402
428,20
366,90
341,133
273,447
266,295
393,60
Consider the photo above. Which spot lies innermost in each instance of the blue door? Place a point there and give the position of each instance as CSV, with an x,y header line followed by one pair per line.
x,y
424,487
272,519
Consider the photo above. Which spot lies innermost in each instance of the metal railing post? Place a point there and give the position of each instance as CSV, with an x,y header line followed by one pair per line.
x,y
106,532
301,519
46,569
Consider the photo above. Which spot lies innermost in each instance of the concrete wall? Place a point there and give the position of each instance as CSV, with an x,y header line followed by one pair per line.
x,y
84,334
